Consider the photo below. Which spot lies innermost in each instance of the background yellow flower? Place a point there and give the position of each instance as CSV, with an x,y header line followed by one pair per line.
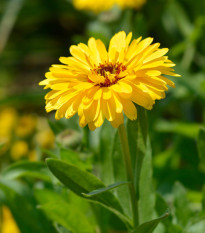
x,y
8,224
93,5
26,125
131,3
7,122
104,5
19,149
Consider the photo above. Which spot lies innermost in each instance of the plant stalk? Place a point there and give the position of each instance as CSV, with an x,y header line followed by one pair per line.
x,y
129,172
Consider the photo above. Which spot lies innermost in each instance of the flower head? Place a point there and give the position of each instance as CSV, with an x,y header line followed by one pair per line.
x,y
104,5
93,5
98,84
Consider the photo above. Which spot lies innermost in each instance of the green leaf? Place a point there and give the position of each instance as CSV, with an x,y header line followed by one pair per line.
x,y
203,199
108,188
107,134
201,148
197,227
181,18
161,206
28,169
49,153
146,189
25,97
1,145
186,129
120,174
80,181
183,211
141,155
62,124
137,137
23,207
82,161
62,212
148,227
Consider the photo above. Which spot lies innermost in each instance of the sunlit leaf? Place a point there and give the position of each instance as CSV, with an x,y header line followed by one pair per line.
x,y
62,212
80,181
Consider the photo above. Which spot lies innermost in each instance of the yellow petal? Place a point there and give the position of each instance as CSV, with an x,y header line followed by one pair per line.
x,y
157,54
137,48
94,50
91,126
119,120
78,54
98,93
100,119
108,108
128,39
75,64
153,73
73,107
118,104
122,87
83,86
132,48
102,51
82,121
169,82
107,94
141,98
129,109
116,46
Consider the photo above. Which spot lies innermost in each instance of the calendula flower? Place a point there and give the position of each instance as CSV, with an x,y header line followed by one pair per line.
x,y
93,5
98,84
103,5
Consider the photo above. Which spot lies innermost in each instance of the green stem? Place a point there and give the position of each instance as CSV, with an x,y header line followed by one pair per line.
x,y
128,165
86,137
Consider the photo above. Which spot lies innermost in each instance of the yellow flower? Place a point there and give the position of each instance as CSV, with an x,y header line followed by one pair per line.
x,y
99,84
8,224
25,126
44,137
7,121
93,5
32,155
103,5
19,149
131,3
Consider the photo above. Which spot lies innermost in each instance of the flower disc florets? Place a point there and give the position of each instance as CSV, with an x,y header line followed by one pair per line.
x,y
108,73
98,84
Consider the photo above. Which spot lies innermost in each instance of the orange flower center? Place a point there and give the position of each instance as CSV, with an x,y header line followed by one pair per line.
x,y
111,73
